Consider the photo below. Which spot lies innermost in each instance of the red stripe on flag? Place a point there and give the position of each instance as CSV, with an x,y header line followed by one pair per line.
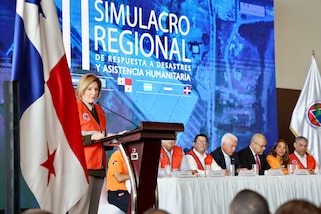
x,y
64,101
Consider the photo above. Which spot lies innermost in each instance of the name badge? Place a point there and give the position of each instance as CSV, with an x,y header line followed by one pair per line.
x,y
216,173
301,172
275,172
183,174
247,173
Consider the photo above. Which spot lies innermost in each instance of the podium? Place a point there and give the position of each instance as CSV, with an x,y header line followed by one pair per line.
x,y
141,149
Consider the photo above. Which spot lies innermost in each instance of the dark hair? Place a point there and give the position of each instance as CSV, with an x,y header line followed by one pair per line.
x,y
200,135
286,158
249,202
36,211
298,206
155,211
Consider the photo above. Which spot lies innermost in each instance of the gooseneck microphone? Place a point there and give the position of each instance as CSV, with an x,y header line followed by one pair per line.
x,y
119,115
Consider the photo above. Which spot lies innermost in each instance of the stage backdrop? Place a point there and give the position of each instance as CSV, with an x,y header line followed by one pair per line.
x,y
204,63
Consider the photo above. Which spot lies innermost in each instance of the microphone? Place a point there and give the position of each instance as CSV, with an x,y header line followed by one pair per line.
x,y
119,115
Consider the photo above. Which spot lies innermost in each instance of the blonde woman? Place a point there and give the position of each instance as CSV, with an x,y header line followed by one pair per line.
x,y
93,127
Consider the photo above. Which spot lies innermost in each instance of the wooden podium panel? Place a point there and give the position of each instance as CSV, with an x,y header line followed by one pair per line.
x,y
142,149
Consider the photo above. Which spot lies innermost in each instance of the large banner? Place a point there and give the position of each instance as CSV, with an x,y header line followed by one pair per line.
x,y
207,64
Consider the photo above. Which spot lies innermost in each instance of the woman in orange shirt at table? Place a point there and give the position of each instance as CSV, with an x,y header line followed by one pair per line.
x,y
279,156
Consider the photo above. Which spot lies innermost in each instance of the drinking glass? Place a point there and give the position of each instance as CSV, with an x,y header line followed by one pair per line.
x,y
290,169
255,168
232,170
207,170
295,167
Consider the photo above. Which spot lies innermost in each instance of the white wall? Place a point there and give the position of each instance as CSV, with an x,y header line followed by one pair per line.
x,y
297,33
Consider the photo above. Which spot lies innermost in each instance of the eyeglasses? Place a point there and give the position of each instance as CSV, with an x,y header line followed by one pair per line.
x,y
262,146
200,142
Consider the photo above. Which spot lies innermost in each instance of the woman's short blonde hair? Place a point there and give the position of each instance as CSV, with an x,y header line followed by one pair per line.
x,y
84,82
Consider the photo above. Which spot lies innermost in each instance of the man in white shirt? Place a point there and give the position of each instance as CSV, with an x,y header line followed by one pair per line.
x,y
197,158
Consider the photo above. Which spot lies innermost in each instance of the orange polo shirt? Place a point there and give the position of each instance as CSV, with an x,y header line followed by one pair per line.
x,y
116,163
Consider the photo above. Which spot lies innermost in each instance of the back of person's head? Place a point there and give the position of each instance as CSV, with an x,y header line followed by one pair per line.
x,y
155,211
298,207
249,202
36,211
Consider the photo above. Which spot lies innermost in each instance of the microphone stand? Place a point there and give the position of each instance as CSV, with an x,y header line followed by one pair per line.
x,y
119,115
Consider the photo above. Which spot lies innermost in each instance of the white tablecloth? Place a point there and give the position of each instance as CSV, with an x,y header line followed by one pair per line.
x,y
213,195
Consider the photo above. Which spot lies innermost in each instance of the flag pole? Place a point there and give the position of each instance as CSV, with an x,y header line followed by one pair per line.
x,y
12,137
308,151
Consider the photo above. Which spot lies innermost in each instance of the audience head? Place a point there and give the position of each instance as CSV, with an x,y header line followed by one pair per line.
x,y
249,202
258,143
298,207
155,211
229,143
84,82
168,144
281,149
301,145
36,211
200,143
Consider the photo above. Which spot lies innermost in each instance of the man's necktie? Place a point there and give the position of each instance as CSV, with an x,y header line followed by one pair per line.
x,y
227,162
258,162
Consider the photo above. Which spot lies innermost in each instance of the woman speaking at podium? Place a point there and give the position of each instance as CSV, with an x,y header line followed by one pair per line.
x,y
93,127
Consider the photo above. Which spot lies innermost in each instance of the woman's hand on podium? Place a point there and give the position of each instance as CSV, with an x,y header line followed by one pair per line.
x,y
110,134
97,136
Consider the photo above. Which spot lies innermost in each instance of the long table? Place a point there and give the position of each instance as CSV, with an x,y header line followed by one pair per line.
x,y
213,195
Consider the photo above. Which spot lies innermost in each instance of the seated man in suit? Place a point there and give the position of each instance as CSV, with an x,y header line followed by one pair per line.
x,y
254,154
225,155
300,156
172,155
197,158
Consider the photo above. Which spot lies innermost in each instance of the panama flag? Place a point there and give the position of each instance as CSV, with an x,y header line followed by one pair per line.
x,y
306,116
51,151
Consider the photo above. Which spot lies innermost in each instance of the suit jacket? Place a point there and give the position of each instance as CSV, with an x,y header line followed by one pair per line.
x,y
247,159
218,156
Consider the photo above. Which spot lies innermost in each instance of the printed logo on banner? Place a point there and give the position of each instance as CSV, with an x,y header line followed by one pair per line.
x,y
125,84
187,90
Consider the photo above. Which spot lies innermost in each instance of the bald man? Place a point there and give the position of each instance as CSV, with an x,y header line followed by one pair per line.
x,y
254,153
